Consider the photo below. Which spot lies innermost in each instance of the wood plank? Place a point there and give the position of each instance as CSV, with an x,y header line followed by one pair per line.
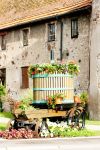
x,y
42,113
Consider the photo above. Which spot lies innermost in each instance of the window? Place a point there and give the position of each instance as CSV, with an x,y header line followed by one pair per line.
x,y
51,32
25,37
74,28
25,78
3,42
3,76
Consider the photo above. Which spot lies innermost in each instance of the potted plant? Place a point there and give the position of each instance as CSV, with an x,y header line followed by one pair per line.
x,y
54,100
51,102
77,99
84,98
58,98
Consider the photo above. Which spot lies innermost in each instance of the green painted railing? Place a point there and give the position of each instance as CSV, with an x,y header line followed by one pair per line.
x,y
51,89
68,101
51,75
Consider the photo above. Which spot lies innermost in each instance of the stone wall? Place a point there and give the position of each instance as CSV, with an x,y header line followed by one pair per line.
x,y
78,49
94,106
38,51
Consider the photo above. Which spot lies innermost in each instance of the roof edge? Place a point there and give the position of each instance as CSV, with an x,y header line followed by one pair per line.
x,y
31,19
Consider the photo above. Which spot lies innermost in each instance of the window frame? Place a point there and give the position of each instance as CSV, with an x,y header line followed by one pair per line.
x,y
74,28
52,29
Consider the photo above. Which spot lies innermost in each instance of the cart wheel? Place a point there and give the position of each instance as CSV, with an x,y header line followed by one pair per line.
x,y
10,125
76,117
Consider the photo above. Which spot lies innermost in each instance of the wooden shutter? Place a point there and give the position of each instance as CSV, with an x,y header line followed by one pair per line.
x,y
3,42
25,78
25,37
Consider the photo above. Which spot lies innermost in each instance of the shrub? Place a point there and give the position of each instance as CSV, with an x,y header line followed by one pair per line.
x,y
2,91
84,98
70,132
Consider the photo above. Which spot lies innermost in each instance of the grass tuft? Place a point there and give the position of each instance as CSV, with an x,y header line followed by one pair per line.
x,y
6,115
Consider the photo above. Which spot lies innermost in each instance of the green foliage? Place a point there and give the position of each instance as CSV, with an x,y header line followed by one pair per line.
x,y
6,115
25,101
71,132
2,90
3,126
35,69
27,96
93,122
51,100
59,95
2,93
71,68
24,105
84,98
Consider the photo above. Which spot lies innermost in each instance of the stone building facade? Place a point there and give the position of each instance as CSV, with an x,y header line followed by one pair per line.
x,y
16,56
26,43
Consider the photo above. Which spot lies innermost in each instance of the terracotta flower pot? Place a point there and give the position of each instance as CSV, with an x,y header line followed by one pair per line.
x,y
77,99
58,101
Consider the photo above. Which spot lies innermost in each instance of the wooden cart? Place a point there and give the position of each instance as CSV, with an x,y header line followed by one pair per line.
x,y
31,119
45,85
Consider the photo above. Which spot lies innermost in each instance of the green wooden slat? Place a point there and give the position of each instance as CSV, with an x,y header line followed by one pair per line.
x,y
40,76
51,89
67,101
51,75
